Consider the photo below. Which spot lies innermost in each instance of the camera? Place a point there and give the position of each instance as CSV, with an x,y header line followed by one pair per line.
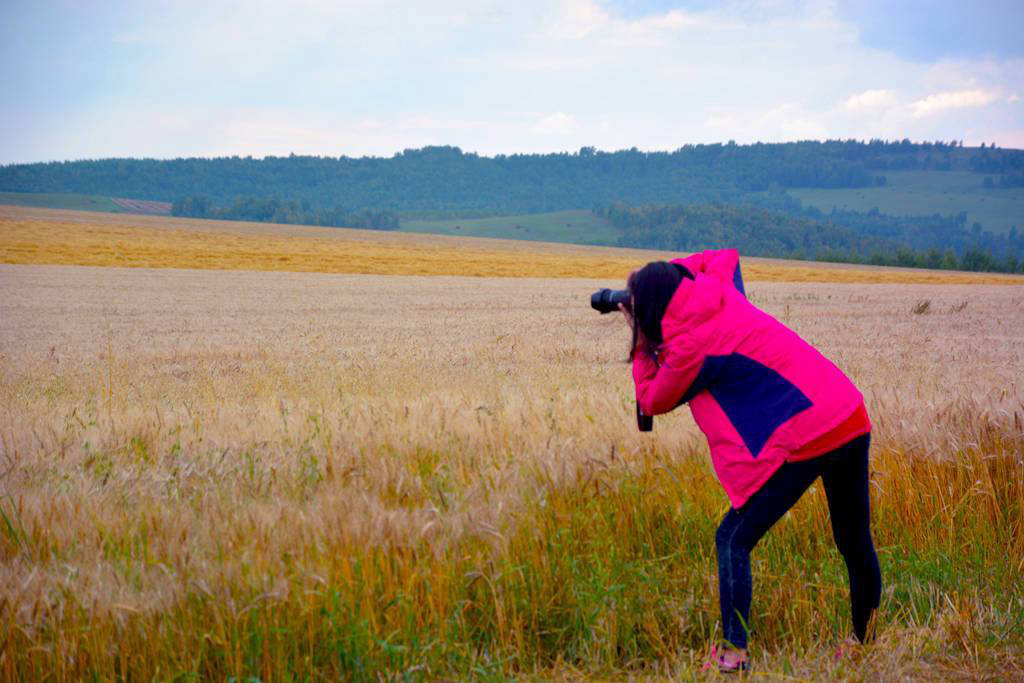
x,y
608,300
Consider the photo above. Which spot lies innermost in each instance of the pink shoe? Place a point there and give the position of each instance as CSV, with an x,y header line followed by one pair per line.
x,y
846,648
727,661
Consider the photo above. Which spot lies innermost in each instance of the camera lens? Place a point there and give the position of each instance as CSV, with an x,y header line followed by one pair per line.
x,y
608,300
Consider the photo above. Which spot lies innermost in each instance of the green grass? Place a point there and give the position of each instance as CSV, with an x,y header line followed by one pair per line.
x,y
610,573
923,193
75,202
575,227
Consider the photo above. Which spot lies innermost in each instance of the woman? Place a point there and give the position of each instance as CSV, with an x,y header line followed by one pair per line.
x,y
776,413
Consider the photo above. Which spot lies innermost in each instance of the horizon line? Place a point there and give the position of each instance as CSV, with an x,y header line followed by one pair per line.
x,y
579,152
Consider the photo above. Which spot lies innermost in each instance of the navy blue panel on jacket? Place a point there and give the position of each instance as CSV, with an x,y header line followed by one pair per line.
x,y
737,279
755,398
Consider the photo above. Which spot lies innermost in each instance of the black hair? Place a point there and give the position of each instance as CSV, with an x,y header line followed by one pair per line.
x,y
651,289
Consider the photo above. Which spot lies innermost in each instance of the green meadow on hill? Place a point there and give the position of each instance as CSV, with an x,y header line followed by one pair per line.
x,y
923,193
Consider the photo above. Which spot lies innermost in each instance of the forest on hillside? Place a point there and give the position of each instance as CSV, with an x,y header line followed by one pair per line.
x,y
841,236
448,179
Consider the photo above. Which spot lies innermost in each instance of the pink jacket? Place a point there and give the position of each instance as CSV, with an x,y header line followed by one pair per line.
x,y
757,390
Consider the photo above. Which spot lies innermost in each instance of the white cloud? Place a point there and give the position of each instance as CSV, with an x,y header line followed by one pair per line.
x,y
576,19
870,99
961,99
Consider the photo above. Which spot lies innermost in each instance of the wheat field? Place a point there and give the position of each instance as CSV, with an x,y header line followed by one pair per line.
x,y
47,236
213,474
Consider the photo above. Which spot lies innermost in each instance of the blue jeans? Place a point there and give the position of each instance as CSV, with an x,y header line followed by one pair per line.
x,y
844,473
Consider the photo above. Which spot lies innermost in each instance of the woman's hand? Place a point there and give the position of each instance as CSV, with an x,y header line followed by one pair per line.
x,y
626,315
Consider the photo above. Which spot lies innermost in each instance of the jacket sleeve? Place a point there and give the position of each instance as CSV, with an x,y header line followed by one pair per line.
x,y
723,264
661,386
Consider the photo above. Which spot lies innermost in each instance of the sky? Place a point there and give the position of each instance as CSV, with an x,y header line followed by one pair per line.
x,y
92,79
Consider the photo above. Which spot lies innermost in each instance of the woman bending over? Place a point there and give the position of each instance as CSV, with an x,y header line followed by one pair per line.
x,y
777,415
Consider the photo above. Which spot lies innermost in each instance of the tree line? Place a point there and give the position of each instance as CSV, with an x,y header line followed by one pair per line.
x,y
446,179
271,210
871,238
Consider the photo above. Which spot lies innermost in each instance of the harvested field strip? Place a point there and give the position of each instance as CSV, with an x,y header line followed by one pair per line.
x,y
99,243
144,206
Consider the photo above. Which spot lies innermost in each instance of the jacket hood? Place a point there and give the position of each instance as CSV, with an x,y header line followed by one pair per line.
x,y
694,303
